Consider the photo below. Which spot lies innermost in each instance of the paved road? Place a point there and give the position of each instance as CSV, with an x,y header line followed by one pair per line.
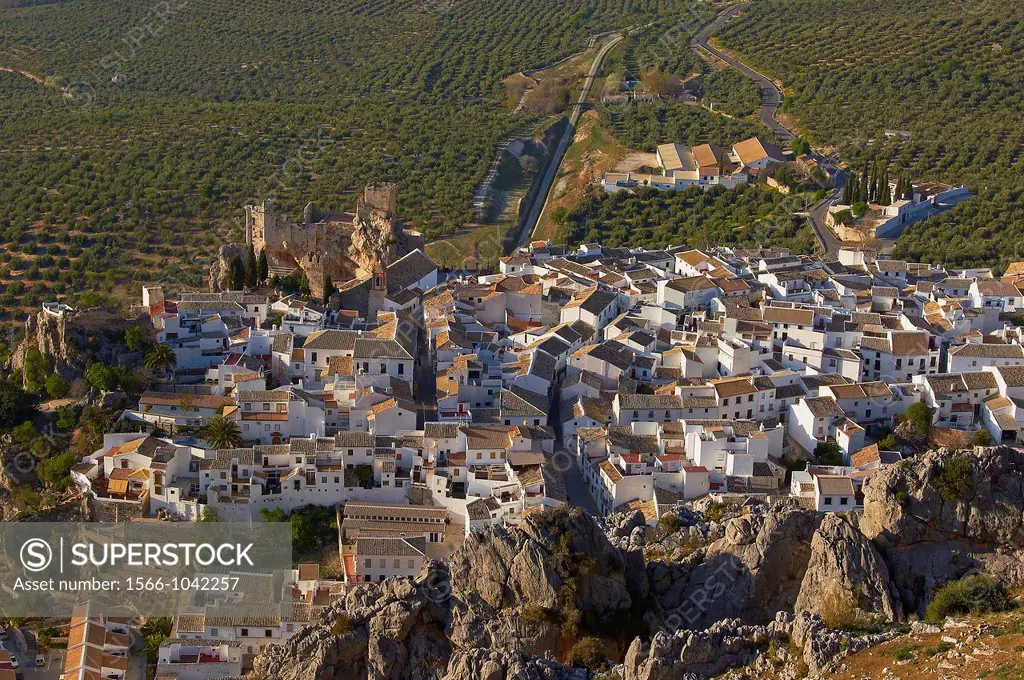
x,y
771,100
771,95
540,198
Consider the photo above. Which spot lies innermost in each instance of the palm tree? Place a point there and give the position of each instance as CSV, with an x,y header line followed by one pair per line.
x,y
222,433
160,357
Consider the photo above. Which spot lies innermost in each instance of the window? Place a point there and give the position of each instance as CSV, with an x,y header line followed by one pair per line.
x,y
369,563
398,563
268,633
401,369
314,357
828,500
245,632
412,564
844,501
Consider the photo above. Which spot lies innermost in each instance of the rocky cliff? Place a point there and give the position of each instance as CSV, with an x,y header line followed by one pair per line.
x,y
68,338
943,514
755,588
220,269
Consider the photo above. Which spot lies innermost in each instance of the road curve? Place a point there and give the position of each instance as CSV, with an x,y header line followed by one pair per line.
x,y
771,95
540,198
771,100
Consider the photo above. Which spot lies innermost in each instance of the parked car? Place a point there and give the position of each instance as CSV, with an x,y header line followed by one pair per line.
x,y
40,660
14,661
3,633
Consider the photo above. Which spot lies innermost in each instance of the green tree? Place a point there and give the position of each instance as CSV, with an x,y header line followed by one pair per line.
x,y
919,415
134,338
25,433
237,273
208,515
56,386
56,472
251,268
828,453
102,377
37,369
222,433
160,358
328,288
262,266
15,404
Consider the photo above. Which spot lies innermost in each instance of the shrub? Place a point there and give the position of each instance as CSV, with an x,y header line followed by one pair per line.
x,y
955,480
342,624
717,512
903,498
975,594
589,653
535,615
56,386
838,610
982,438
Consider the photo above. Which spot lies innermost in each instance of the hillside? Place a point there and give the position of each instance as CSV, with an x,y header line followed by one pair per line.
x,y
132,133
948,73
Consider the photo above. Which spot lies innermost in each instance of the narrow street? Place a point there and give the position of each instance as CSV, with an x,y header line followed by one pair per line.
x,y
566,463
425,382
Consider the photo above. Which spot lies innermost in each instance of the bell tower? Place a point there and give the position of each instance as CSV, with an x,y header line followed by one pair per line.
x,y
378,292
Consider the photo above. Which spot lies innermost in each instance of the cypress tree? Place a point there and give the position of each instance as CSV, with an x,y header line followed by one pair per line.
x,y
328,288
262,267
250,268
237,271
848,191
864,186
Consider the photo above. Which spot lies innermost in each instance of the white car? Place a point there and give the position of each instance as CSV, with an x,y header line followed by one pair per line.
x,y
40,660
14,661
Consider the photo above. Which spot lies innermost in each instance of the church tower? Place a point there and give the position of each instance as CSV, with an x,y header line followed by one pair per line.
x,y
378,292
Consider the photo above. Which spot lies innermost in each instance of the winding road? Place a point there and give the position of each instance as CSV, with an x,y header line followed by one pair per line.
x,y
771,99
771,94
540,197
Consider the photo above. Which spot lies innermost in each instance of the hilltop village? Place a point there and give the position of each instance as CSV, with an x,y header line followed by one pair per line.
x,y
430,406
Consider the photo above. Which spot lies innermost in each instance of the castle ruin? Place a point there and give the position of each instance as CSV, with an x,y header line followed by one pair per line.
x,y
343,245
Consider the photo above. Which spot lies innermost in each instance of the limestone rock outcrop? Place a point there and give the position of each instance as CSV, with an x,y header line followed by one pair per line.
x,y
754,571
845,566
703,653
930,536
220,269
69,337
